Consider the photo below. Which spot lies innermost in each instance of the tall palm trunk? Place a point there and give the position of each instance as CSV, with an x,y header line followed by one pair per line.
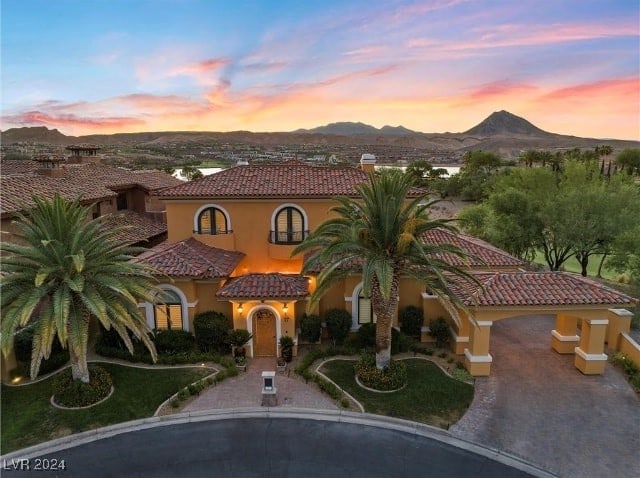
x,y
78,338
385,310
79,367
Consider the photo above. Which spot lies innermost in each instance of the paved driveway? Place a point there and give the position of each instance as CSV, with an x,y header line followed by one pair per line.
x,y
538,406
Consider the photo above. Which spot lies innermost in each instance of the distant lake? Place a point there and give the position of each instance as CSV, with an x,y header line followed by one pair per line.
x,y
206,171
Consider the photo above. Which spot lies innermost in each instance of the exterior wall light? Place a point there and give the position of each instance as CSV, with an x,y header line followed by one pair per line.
x,y
239,309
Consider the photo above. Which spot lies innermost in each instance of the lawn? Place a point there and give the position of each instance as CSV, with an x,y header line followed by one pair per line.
x,y
28,418
572,265
430,397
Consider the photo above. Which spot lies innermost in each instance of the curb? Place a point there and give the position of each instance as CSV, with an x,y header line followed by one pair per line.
x,y
339,416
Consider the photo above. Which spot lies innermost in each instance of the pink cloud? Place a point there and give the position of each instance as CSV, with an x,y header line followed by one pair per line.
x,y
72,121
622,87
201,67
497,89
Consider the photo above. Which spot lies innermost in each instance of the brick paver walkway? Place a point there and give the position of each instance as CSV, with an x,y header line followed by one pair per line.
x,y
245,391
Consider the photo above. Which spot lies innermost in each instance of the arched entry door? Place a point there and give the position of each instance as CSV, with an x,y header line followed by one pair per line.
x,y
264,335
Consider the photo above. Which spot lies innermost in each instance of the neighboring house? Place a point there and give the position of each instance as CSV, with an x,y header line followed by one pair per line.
x,y
120,196
230,238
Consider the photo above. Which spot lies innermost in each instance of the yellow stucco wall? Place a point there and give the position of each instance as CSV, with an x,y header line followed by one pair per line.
x,y
251,224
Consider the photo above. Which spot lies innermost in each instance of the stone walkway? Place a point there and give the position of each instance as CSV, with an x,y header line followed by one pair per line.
x,y
245,390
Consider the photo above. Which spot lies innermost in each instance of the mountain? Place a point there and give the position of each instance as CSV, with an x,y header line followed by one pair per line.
x,y
501,132
505,123
37,134
356,129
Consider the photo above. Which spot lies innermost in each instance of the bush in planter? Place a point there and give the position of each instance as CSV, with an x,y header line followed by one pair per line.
x,y
411,320
74,393
338,324
389,378
311,327
238,338
173,341
439,330
286,348
212,332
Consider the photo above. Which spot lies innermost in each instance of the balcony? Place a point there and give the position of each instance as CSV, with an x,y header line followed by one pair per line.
x,y
287,238
282,243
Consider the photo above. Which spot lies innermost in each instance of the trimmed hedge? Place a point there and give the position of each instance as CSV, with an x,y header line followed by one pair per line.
x,y
23,346
439,330
338,325
174,341
212,332
411,321
74,393
311,327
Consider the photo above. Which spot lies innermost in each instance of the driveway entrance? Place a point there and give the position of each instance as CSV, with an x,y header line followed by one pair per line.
x,y
537,405
264,326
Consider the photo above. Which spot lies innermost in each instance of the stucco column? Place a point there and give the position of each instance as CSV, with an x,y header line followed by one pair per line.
x,y
590,358
619,322
460,333
477,358
564,338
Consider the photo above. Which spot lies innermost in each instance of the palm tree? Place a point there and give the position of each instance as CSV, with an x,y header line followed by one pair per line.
x,y
379,236
64,270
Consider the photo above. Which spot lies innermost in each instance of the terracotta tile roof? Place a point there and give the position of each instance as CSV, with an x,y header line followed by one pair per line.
x,y
482,253
20,183
139,228
191,258
292,179
538,289
262,286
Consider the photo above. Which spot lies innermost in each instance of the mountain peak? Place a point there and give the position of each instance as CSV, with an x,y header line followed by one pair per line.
x,y
503,122
346,128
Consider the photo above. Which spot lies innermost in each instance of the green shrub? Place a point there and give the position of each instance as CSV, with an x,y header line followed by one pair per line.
x,y
367,336
239,337
389,378
338,325
461,374
439,330
183,394
23,344
328,387
421,349
175,403
310,327
411,321
212,332
196,388
628,365
400,342
74,393
173,341
345,402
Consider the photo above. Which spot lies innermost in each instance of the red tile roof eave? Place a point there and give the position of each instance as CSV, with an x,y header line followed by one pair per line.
x,y
209,197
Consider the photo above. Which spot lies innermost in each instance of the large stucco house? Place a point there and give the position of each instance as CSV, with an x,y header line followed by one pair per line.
x,y
229,244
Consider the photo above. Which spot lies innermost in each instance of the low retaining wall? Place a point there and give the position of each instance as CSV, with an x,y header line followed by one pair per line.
x,y
630,348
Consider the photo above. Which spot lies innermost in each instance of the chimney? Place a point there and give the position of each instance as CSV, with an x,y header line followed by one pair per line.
x,y
242,162
368,162
49,165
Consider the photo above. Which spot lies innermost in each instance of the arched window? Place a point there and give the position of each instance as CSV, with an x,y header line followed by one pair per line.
x,y
168,311
365,310
212,220
289,226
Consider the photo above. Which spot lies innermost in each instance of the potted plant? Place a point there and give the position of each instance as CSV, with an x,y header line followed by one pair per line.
x,y
286,348
241,363
238,338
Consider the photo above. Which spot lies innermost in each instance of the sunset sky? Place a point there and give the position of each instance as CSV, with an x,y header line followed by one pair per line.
x,y
107,66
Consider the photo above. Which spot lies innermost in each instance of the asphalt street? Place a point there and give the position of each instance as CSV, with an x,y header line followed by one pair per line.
x,y
266,447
